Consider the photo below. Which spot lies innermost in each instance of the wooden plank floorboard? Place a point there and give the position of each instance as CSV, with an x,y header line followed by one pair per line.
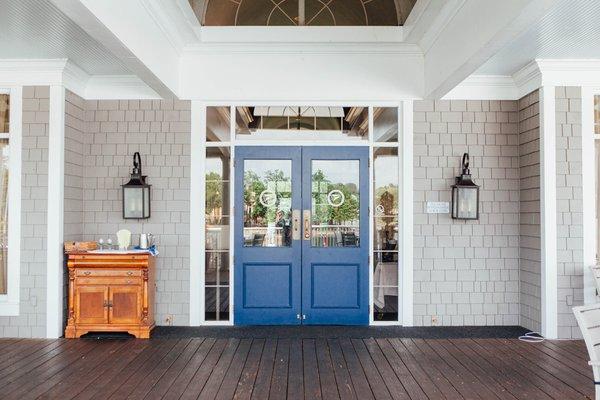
x,y
329,388
445,386
312,381
115,369
186,375
295,387
376,381
232,376
343,380
196,384
545,367
262,384
532,385
508,377
145,385
487,376
361,385
162,385
217,375
45,370
472,382
249,372
126,386
429,387
279,380
388,375
271,368
77,373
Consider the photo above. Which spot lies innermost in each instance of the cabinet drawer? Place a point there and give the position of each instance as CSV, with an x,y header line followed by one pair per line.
x,y
108,272
108,280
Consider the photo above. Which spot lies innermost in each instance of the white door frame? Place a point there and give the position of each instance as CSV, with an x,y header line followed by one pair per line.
x,y
197,184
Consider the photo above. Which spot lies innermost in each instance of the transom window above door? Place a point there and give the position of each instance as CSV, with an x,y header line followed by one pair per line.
x,y
302,122
302,12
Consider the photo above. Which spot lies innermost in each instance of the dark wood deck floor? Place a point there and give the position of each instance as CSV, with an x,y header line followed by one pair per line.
x,y
294,369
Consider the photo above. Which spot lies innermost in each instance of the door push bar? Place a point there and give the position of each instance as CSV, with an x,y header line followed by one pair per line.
x,y
306,224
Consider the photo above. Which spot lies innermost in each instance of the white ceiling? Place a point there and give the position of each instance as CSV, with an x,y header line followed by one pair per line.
x,y
37,29
570,30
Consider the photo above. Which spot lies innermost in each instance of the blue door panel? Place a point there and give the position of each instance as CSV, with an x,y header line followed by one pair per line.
x,y
335,286
267,286
335,279
267,279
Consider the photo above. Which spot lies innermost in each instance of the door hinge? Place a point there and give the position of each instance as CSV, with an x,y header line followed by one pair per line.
x,y
234,163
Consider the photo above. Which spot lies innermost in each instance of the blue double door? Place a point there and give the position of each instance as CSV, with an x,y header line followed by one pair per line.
x,y
301,235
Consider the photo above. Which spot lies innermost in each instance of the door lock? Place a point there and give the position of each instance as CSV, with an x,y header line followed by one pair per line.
x,y
296,225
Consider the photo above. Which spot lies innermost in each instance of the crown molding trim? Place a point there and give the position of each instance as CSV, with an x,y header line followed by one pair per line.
x,y
484,87
538,73
62,72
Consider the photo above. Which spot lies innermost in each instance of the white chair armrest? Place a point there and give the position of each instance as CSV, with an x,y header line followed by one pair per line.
x,y
594,363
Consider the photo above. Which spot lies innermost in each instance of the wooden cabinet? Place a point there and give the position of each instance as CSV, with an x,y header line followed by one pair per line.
x,y
110,293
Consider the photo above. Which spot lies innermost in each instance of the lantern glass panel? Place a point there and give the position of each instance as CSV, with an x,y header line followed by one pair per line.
x,y
146,201
467,202
133,202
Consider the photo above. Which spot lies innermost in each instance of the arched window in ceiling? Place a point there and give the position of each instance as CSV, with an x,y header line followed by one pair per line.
x,y
302,12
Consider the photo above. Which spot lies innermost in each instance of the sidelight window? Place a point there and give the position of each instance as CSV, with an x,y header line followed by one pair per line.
x,y
385,215
4,158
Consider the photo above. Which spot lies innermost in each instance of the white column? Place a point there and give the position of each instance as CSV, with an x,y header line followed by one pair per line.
x,y
197,220
406,151
547,106
588,170
56,179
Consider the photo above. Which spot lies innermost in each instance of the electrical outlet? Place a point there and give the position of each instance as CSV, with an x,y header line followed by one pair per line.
x,y
169,320
434,320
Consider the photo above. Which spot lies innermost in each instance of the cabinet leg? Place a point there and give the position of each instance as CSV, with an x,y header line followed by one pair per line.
x,y
70,333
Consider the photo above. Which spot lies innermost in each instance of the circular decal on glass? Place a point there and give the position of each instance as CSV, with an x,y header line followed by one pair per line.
x,y
336,198
267,198
379,209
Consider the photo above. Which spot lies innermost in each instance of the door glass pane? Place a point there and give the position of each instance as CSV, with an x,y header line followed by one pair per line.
x,y
385,124
267,203
217,203
385,174
4,112
218,124
335,203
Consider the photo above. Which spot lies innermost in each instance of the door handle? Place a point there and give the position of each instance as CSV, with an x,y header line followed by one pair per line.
x,y
296,225
306,224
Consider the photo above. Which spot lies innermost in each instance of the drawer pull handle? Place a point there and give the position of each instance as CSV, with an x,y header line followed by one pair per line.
x,y
129,273
87,272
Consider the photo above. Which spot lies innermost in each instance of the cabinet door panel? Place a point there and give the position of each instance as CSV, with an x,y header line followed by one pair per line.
x,y
91,304
125,304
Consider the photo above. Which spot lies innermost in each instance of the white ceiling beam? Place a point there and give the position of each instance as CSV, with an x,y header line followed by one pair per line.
x,y
129,30
473,30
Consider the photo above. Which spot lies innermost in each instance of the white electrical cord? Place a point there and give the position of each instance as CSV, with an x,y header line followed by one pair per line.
x,y
532,337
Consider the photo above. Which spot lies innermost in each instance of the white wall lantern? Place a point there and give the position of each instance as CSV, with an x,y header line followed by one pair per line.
x,y
136,193
465,194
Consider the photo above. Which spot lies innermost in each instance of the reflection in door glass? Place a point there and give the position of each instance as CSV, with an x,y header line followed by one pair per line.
x,y
335,203
267,203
